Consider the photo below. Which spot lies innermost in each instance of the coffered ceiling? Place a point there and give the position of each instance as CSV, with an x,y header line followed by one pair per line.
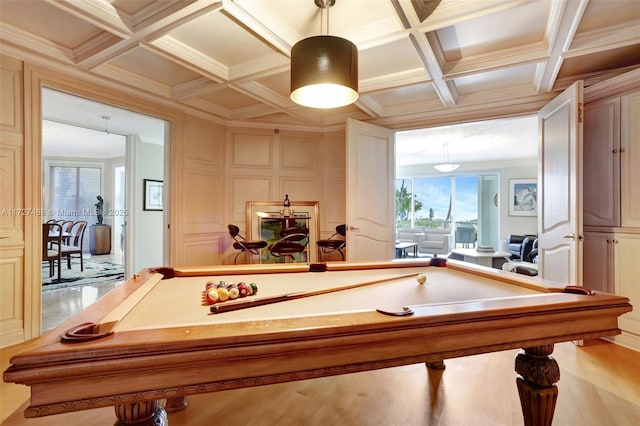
x,y
467,60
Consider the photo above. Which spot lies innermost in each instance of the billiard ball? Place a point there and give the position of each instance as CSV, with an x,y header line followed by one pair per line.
x,y
254,288
212,295
223,294
421,278
243,289
233,292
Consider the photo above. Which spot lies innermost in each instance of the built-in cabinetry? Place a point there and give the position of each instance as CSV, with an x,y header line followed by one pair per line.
x,y
611,162
611,196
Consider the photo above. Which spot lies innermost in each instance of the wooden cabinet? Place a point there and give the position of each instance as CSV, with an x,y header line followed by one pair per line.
x,y
598,271
611,266
625,262
611,164
630,160
100,239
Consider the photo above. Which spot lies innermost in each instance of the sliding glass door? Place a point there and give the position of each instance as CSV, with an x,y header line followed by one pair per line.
x,y
443,202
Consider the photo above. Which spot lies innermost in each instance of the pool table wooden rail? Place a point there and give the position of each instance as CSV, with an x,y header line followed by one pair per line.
x,y
149,365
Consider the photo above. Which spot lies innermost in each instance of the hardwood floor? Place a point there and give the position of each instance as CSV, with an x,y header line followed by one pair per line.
x,y
599,385
60,304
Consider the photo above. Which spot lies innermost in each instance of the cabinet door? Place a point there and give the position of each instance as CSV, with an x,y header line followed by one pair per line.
x,y
598,262
601,163
630,159
626,254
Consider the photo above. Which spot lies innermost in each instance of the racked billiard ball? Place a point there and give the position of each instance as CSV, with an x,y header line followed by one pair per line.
x,y
243,289
211,295
223,294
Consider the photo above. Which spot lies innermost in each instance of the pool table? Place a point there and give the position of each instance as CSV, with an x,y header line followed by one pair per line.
x,y
155,338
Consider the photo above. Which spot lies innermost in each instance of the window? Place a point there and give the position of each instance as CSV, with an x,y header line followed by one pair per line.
x,y
436,202
73,192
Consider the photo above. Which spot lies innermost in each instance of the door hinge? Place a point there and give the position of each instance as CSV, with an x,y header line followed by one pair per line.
x,y
580,112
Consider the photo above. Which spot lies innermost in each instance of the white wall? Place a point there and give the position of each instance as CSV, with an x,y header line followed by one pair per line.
x,y
515,224
148,164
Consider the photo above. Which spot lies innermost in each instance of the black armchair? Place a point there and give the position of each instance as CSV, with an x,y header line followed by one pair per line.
x,y
336,242
520,245
240,243
293,240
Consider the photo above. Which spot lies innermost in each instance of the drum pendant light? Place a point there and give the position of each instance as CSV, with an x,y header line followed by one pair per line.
x,y
324,69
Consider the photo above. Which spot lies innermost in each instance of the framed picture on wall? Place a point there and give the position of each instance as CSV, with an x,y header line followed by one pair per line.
x,y
523,197
152,195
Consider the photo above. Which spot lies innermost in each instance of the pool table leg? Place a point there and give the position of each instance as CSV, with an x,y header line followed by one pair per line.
x,y
142,413
538,373
176,404
435,365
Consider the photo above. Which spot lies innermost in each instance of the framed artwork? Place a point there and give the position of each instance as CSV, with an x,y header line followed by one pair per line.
x,y
265,221
523,197
152,195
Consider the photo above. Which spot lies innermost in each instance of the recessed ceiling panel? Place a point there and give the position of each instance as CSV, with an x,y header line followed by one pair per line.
x,y
616,58
217,36
153,66
496,80
356,20
279,83
501,30
411,94
130,7
600,14
48,22
229,98
392,58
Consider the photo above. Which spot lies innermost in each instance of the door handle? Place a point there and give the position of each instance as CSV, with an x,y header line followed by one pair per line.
x,y
571,237
353,228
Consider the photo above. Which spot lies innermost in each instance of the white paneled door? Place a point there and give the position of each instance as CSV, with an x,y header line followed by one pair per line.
x,y
370,191
560,187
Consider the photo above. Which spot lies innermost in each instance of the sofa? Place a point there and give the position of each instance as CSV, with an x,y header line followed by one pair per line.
x,y
430,241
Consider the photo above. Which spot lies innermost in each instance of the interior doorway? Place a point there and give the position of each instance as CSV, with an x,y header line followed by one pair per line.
x,y
123,147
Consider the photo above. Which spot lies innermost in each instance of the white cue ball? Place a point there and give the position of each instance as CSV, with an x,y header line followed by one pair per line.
x,y
421,278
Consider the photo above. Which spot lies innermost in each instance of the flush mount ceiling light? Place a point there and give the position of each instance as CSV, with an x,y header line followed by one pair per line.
x,y
446,167
324,69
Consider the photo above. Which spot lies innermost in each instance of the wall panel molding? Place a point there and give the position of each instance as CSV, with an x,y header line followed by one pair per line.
x,y
253,150
11,101
247,188
299,153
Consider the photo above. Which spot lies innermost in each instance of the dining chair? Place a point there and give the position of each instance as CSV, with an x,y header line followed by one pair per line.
x,y
52,232
240,243
336,242
67,227
75,243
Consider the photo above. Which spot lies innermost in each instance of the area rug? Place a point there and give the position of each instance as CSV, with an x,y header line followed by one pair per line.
x,y
93,272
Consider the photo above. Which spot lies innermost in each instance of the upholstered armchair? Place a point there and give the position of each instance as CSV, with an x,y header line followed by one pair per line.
x,y
520,246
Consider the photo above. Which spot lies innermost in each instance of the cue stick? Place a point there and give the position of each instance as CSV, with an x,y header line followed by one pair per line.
x,y
243,304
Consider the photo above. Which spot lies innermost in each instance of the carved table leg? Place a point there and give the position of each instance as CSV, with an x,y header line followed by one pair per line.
x,y
538,373
176,404
143,413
